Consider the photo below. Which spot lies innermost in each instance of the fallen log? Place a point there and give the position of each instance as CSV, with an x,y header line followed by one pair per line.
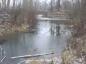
x,y
30,56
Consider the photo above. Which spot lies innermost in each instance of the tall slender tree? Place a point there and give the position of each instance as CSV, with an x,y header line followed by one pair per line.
x,y
51,3
58,5
8,3
3,3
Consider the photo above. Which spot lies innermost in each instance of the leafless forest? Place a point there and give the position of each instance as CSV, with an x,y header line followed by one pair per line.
x,y
43,23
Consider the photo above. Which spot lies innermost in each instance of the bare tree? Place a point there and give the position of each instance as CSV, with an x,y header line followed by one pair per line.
x,y
8,3
58,5
51,5
3,3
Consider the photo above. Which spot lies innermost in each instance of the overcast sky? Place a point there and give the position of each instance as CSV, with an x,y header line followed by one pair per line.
x,y
36,0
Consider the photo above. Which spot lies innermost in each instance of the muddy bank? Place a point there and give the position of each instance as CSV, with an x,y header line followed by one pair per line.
x,y
7,30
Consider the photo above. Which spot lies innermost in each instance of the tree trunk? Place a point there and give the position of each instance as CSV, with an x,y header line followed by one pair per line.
x,y
8,3
51,5
58,5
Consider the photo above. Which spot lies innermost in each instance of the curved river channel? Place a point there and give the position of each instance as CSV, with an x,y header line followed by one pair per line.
x,y
39,42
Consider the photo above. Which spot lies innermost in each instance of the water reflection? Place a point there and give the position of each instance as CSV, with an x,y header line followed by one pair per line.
x,y
55,29
39,43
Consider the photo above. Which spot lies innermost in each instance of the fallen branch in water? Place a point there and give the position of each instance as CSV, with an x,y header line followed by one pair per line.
x,y
30,56
2,59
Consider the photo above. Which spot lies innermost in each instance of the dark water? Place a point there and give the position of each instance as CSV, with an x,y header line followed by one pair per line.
x,y
40,42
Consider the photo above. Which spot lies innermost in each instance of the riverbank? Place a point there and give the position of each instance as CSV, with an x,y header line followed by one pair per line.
x,y
7,29
53,60
75,53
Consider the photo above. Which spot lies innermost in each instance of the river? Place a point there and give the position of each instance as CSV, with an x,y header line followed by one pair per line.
x,y
39,42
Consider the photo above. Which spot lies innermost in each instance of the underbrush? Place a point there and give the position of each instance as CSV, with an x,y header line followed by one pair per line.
x,y
75,53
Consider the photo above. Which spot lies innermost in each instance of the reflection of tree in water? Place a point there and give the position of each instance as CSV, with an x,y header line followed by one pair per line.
x,y
52,29
58,29
33,26
2,54
55,29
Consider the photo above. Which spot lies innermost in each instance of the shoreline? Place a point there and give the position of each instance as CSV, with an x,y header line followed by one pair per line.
x,y
8,30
